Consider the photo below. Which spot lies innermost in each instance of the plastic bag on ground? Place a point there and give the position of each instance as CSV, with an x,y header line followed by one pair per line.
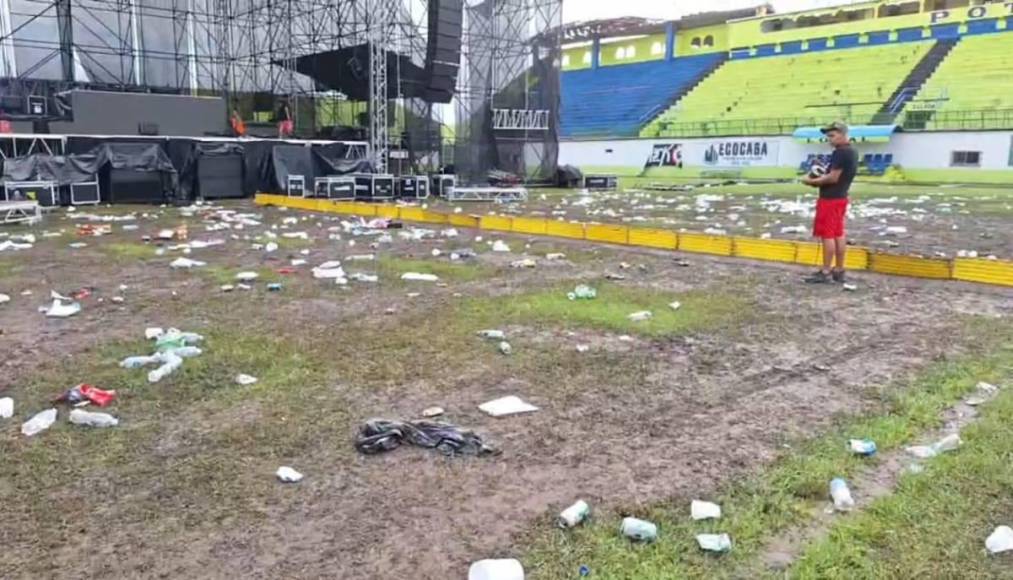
x,y
509,405
500,246
186,263
89,419
86,392
380,435
506,569
245,380
583,292
60,310
39,423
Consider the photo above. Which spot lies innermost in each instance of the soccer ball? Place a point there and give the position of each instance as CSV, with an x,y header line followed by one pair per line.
x,y
817,170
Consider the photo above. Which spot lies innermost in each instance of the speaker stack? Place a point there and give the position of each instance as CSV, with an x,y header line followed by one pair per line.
x,y
443,51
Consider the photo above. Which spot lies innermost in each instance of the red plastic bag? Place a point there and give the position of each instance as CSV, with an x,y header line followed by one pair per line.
x,y
86,392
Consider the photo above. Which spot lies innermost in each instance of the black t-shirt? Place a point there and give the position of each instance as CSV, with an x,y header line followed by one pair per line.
x,y
845,159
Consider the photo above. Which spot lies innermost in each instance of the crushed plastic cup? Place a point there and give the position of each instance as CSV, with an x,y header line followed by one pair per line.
x,y
640,316
703,510
153,332
583,292
286,474
500,246
505,569
505,348
639,530
247,276
714,542
675,305
862,446
245,380
90,419
574,515
39,423
1000,540
841,495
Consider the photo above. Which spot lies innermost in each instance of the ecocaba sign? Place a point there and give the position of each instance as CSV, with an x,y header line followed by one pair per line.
x,y
740,153
971,13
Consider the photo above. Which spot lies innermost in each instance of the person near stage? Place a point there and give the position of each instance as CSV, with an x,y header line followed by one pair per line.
x,y
285,124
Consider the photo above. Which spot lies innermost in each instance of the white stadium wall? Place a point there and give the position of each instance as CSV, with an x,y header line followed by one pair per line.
x,y
920,156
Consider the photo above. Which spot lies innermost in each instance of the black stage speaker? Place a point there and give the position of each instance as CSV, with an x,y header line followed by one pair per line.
x,y
220,177
129,186
443,51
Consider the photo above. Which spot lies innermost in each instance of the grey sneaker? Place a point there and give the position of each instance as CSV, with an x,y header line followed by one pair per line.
x,y
819,277
838,276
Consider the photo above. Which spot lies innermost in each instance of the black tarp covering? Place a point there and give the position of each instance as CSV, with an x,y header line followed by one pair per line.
x,y
285,160
188,185
74,168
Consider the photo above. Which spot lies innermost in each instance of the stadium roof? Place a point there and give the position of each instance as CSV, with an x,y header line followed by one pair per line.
x,y
633,25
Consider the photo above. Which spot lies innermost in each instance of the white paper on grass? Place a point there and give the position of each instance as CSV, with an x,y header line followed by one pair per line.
x,y
288,475
714,542
509,405
60,310
1001,540
186,263
247,276
245,380
702,510
417,277
6,408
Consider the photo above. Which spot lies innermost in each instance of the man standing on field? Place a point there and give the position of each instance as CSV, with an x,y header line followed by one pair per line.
x,y
832,204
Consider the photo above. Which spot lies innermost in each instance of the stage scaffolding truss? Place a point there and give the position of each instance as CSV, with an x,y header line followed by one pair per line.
x,y
246,49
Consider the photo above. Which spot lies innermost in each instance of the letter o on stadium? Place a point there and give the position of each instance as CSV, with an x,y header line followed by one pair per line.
x,y
977,12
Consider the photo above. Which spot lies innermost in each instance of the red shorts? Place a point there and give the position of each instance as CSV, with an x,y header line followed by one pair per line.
x,y
829,221
286,127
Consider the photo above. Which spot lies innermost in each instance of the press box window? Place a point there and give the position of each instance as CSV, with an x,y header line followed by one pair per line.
x,y
965,159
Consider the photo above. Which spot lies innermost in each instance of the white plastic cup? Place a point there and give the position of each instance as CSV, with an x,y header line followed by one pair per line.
x,y
574,514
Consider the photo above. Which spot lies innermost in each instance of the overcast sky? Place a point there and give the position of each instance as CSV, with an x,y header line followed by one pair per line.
x,y
575,10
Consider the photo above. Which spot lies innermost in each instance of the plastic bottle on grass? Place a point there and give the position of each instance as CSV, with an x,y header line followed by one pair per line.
x,y
841,495
88,419
507,569
574,515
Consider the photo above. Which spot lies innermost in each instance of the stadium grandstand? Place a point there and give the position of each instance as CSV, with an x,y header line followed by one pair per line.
x,y
927,65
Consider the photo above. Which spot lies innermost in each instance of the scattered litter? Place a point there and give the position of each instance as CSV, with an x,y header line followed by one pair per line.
x,y
59,309
500,246
380,435
298,262
85,392
793,230
555,256
39,423
359,277
329,270
862,446
703,510
89,419
245,380
896,230
186,263
525,263
270,247
170,362
948,443
574,515
841,495
507,569
675,305
492,334
985,391
583,292
584,571
583,348
6,408
640,530
714,542
226,287
4,298
247,276
509,405
850,287
274,287
613,276
1001,540
505,348
417,277
360,258
640,316
432,412
77,245
286,474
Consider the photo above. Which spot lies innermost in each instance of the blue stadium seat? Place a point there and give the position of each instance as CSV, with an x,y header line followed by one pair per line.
x,y
618,100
